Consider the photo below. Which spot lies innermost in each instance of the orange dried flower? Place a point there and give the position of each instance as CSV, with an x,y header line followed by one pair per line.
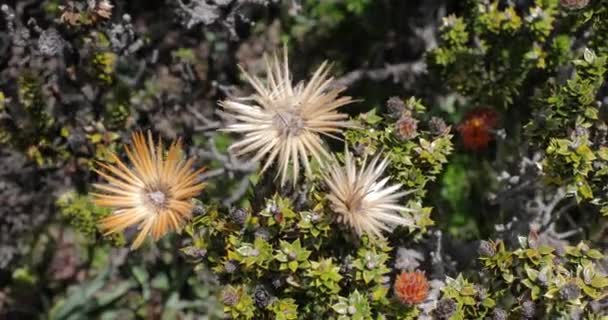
x,y
476,128
154,193
411,287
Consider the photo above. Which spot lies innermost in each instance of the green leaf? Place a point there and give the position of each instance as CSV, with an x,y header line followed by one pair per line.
x,y
599,282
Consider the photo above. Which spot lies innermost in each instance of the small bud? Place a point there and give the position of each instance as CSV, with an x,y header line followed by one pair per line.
x,y
277,283
230,266
261,296
407,128
570,291
528,309
437,126
486,249
230,296
499,314
395,106
239,216
445,308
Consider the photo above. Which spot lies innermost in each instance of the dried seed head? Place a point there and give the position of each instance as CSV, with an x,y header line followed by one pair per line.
x,y
445,308
395,106
438,127
570,291
486,249
407,128
362,199
528,309
239,216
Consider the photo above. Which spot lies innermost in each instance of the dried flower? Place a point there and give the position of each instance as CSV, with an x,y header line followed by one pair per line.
x,y
395,106
407,128
574,4
284,122
499,314
476,128
486,249
231,296
155,194
361,199
528,309
411,287
445,308
238,216
261,296
438,127
570,291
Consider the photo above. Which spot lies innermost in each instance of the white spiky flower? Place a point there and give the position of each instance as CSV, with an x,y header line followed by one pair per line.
x,y
284,123
362,199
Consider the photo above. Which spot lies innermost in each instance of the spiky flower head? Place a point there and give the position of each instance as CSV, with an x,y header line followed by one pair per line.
x,y
155,193
282,122
411,287
362,199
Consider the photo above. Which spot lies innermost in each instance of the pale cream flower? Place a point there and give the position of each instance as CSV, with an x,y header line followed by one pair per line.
x,y
362,199
284,123
155,194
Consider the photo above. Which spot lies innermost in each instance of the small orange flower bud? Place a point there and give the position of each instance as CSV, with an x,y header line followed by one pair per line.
x,y
476,128
411,287
407,128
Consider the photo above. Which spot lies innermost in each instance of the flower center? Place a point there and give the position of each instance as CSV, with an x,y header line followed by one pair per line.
x,y
354,203
157,198
288,122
